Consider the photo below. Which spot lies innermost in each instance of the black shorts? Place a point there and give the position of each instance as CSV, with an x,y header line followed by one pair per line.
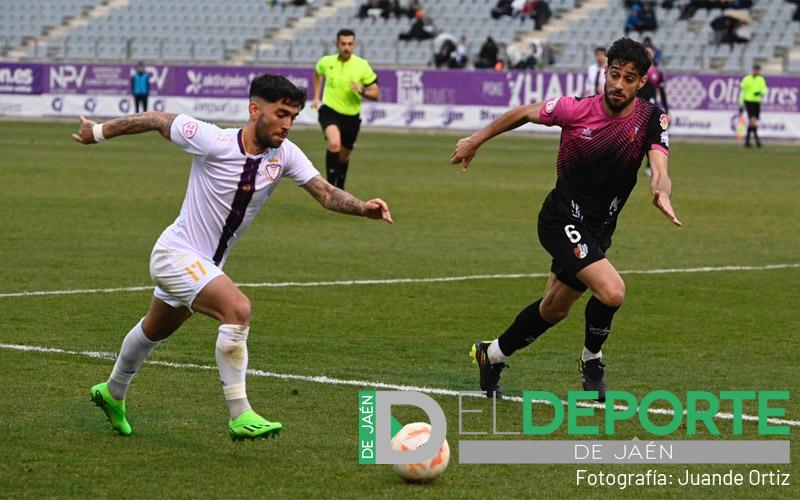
x,y
572,245
753,109
348,125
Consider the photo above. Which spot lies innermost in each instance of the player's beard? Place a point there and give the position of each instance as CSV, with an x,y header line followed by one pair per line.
x,y
614,106
263,137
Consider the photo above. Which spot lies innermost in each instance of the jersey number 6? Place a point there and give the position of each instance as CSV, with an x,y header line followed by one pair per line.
x,y
573,235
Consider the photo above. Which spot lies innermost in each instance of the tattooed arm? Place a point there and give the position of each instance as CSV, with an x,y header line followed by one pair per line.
x,y
126,125
341,201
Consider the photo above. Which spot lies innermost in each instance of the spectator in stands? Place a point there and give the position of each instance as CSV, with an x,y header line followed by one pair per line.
x,y
796,16
460,57
543,14
372,7
647,18
503,8
422,28
521,56
140,87
487,57
731,28
694,5
641,17
596,74
635,10
445,53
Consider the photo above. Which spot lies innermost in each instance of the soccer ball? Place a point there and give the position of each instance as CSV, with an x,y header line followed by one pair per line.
x,y
411,437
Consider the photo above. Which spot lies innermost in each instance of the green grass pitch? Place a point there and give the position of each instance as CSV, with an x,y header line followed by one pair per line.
x,y
78,217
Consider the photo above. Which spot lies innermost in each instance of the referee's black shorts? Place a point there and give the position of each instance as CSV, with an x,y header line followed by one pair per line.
x,y
348,125
753,109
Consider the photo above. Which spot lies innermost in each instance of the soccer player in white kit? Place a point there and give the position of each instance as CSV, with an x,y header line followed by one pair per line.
x,y
234,172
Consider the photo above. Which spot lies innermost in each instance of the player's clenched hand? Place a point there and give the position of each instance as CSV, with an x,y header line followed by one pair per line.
x,y
85,135
378,209
464,152
661,201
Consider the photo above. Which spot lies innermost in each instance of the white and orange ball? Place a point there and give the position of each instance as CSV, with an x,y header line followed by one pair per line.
x,y
411,437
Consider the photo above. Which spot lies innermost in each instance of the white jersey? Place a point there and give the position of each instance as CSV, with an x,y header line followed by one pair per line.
x,y
595,80
227,187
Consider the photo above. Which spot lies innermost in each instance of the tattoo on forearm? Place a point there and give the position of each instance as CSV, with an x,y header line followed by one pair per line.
x,y
344,202
136,124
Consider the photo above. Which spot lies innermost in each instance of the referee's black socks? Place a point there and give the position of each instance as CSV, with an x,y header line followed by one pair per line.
x,y
332,166
598,324
526,328
342,173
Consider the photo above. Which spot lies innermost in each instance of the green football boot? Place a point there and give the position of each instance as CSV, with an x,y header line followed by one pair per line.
x,y
115,410
251,425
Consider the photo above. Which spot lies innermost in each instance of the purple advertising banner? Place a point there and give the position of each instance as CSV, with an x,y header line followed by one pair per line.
x,y
99,79
21,78
404,86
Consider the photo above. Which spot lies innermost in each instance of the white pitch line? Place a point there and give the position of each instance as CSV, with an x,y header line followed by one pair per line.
x,y
395,281
322,379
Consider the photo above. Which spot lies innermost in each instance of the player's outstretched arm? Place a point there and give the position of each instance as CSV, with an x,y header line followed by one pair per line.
x,y
661,185
467,147
343,202
92,132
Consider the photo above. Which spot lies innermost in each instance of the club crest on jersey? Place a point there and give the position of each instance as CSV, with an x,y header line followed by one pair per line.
x,y
551,105
663,121
633,133
273,170
189,129
581,251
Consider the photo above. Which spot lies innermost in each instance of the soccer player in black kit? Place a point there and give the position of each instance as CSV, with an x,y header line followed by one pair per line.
x,y
603,141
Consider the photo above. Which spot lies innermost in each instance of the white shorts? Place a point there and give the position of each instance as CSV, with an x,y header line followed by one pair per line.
x,y
180,275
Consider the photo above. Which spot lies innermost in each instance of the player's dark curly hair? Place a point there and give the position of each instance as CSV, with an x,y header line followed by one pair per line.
x,y
625,50
274,88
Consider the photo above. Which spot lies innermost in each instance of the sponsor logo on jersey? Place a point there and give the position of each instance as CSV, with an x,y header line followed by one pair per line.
x,y
189,129
665,138
664,121
581,251
587,133
614,207
576,210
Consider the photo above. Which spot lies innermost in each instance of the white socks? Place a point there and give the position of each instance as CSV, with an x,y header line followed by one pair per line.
x,y
495,353
135,348
587,355
231,356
